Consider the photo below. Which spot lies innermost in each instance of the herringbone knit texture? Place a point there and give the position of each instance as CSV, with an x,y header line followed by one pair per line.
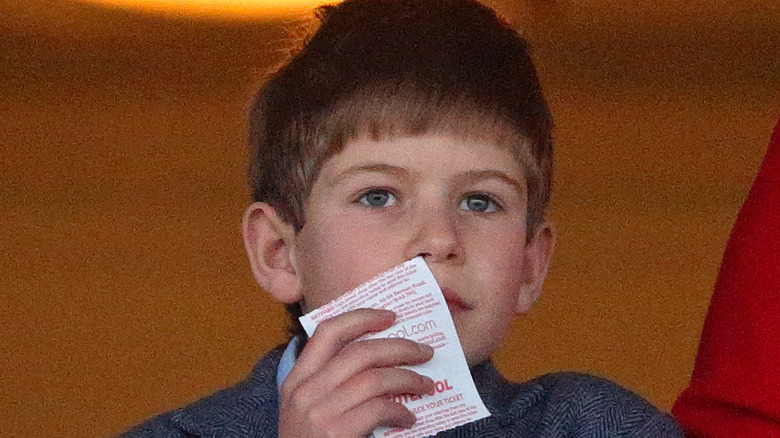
x,y
553,406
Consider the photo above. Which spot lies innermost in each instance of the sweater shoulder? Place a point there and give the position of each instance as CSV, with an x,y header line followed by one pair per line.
x,y
248,406
594,406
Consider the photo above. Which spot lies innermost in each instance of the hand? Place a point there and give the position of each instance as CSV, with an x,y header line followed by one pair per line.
x,y
340,387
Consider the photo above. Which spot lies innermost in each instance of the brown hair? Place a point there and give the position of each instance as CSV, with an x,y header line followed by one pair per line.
x,y
397,67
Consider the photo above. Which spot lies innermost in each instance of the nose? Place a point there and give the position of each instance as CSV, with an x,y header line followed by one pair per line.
x,y
436,237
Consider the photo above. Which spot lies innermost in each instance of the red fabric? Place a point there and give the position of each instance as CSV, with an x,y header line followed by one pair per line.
x,y
735,387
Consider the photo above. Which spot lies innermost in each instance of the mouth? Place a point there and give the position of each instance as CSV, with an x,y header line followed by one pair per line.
x,y
454,302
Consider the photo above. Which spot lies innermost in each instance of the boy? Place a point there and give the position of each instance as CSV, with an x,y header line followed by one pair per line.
x,y
402,128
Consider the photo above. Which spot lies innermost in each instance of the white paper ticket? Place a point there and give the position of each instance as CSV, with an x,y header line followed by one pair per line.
x,y
412,293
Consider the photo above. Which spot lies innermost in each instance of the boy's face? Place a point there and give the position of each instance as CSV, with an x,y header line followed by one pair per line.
x,y
460,203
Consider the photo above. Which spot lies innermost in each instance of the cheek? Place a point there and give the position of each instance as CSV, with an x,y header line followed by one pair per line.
x,y
315,253
333,259
501,256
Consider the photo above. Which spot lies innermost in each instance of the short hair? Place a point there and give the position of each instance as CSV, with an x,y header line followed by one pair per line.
x,y
387,68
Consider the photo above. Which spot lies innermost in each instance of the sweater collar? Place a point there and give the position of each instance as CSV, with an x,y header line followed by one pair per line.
x,y
251,409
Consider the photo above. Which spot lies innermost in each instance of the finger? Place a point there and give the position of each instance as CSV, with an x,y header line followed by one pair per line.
x,y
378,382
353,359
360,356
331,336
364,418
373,383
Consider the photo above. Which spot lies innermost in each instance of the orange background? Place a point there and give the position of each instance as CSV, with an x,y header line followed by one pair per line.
x,y
125,289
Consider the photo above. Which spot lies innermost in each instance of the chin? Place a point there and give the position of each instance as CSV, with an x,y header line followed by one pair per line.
x,y
474,357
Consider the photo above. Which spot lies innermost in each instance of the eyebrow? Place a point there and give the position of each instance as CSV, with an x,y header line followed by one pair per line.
x,y
369,168
473,176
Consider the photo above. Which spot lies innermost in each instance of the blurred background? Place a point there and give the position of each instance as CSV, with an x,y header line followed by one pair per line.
x,y
125,290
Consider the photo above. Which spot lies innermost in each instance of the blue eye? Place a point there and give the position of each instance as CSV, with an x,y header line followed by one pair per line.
x,y
479,204
377,199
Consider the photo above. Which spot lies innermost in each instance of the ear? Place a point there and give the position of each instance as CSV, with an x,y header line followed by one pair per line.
x,y
268,241
538,252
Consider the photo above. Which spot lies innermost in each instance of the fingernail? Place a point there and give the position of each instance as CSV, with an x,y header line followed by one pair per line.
x,y
425,348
